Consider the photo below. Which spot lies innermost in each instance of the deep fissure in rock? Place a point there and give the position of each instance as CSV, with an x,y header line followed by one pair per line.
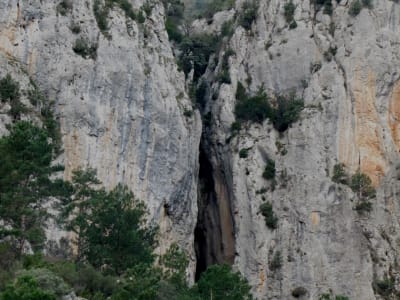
x,y
214,233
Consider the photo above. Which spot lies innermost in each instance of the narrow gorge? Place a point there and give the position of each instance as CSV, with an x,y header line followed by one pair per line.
x,y
262,134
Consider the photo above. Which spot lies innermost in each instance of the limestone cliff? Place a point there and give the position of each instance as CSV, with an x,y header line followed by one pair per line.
x,y
126,112
346,69
122,112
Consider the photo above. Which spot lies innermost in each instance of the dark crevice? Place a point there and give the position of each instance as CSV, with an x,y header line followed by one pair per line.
x,y
214,234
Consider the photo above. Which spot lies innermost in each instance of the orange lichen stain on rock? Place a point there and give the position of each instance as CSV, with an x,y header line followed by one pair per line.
x,y
72,152
394,115
262,280
367,141
315,218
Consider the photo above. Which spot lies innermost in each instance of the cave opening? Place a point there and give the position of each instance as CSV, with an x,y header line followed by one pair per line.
x,y
214,233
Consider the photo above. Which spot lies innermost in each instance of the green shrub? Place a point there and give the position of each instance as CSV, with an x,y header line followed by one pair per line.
x,y
172,30
256,108
195,54
221,283
299,292
269,216
27,288
361,184
236,126
75,28
9,89
214,6
83,48
384,287
248,14
47,281
287,111
367,3
339,297
100,14
243,153
339,174
355,8
276,262
227,28
64,7
289,10
269,171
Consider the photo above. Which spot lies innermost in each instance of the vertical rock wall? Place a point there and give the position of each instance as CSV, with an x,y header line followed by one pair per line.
x,y
122,112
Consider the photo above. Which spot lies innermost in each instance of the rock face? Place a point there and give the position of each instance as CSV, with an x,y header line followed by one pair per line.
x,y
346,69
122,112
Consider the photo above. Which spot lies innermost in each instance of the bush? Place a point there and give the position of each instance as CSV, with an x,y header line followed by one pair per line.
x,y
384,287
100,14
196,52
248,14
289,10
269,216
269,171
287,111
355,8
47,281
299,292
9,89
276,262
227,28
243,153
27,288
367,3
221,283
255,108
85,50
64,7
361,184
339,174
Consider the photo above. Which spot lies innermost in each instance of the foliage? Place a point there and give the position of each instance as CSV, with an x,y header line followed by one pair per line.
x,y
64,7
289,9
26,288
243,153
109,225
355,8
255,108
212,7
269,216
224,75
327,4
276,262
384,287
84,49
196,51
339,174
299,292
248,14
219,282
47,281
100,14
227,28
174,11
361,184
117,238
269,170
25,157
10,92
9,89
287,111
